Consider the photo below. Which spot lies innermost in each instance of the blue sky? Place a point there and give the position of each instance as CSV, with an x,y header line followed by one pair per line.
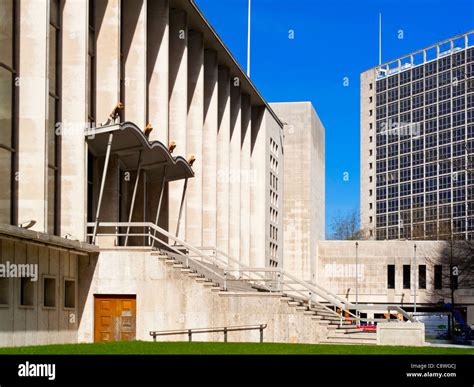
x,y
332,40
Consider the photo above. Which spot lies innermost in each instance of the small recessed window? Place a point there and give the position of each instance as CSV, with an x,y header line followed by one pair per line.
x,y
371,126
422,276
27,292
371,86
370,206
370,166
406,276
371,113
370,99
438,277
70,294
4,291
370,192
371,139
49,292
371,219
391,276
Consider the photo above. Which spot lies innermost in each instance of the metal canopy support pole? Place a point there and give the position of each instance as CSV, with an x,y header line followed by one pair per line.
x,y
102,184
160,200
357,282
414,282
135,187
181,206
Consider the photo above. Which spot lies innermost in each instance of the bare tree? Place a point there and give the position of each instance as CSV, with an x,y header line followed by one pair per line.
x,y
457,263
347,226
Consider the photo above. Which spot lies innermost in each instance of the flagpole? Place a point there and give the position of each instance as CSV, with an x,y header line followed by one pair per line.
x,y
248,40
380,38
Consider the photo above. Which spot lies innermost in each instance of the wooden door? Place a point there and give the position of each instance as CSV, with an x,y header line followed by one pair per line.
x,y
114,318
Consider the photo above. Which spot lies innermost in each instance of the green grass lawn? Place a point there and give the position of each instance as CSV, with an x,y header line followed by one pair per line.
x,y
181,348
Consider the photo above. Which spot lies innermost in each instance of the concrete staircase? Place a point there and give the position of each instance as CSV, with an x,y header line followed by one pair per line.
x,y
338,333
205,273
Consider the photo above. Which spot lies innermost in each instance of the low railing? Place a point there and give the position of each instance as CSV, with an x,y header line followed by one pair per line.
x,y
224,330
225,269
306,292
156,235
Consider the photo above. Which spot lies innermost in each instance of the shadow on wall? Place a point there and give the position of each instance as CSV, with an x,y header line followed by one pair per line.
x,y
43,290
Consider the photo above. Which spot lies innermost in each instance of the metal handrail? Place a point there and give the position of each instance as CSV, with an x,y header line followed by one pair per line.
x,y
285,281
168,245
338,301
225,330
242,268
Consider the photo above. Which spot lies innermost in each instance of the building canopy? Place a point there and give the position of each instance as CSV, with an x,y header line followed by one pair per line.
x,y
133,148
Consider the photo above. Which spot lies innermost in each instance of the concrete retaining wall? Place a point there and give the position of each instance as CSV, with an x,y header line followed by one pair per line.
x,y
401,334
169,299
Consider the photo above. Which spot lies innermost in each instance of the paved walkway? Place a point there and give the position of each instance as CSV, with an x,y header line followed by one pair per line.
x,y
449,345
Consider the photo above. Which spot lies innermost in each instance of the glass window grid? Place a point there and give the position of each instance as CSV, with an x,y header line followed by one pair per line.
x,y
441,103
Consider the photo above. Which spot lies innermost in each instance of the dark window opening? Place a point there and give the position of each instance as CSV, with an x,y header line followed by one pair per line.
x,y
391,276
27,292
9,116
54,116
422,276
406,277
4,293
438,277
49,292
70,294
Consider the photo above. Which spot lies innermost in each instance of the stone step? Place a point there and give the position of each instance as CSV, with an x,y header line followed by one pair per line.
x,y
322,322
344,323
322,309
293,303
339,322
344,340
301,308
359,333
330,318
325,311
170,261
202,279
308,313
185,270
346,331
193,274
157,254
